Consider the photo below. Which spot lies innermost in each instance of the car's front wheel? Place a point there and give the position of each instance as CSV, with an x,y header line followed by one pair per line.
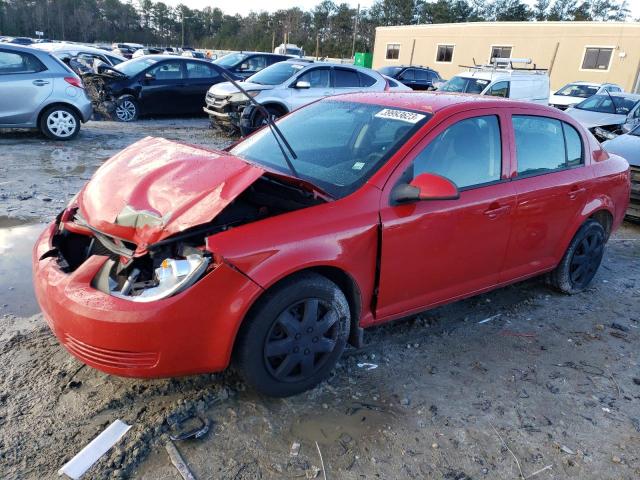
x,y
60,123
581,260
293,336
127,109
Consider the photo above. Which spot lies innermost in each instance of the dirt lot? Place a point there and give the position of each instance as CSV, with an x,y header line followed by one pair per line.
x,y
548,388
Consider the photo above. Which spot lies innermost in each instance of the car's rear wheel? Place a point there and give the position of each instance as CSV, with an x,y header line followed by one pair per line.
x,y
581,260
294,336
60,123
127,109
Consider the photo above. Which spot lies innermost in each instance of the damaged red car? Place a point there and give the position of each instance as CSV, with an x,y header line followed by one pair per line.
x,y
350,212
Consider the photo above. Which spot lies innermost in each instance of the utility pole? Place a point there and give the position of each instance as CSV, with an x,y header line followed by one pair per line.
x,y
273,42
317,45
182,10
355,33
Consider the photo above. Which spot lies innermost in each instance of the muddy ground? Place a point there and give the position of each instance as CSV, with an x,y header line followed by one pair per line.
x,y
548,388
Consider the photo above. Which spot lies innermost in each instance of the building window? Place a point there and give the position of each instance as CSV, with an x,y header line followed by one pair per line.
x,y
500,52
596,58
393,51
445,53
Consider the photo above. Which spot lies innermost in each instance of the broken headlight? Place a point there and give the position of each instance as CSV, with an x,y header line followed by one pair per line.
x,y
241,97
171,277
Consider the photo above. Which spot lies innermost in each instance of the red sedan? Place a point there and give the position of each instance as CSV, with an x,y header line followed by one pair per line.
x,y
173,259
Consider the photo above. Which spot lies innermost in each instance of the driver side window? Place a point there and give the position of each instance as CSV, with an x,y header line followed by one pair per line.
x,y
317,78
468,153
167,71
500,89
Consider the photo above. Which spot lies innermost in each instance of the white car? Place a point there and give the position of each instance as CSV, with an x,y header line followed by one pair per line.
x,y
502,80
284,87
608,115
87,55
574,93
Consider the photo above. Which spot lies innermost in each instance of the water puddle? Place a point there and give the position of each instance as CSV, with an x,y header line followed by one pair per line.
x,y
16,289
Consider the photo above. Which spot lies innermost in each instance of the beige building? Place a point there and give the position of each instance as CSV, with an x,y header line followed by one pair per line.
x,y
589,51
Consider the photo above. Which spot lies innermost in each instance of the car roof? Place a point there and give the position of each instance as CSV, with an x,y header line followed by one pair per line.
x,y
73,47
432,102
172,57
16,46
631,96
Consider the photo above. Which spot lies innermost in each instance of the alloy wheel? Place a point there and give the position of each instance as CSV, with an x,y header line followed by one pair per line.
x,y
126,111
301,340
61,123
586,259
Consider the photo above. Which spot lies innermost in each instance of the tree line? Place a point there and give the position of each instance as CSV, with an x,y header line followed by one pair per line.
x,y
329,29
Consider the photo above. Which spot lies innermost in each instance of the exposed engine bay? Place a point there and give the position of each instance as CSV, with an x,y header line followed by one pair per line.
x,y
174,263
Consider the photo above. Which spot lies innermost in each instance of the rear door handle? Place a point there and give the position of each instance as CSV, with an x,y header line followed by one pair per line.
x,y
495,211
40,83
575,191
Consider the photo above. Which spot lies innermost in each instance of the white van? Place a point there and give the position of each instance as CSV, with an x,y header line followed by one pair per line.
x,y
502,79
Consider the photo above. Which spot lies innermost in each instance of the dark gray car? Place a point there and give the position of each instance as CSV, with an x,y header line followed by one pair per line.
x,y
39,91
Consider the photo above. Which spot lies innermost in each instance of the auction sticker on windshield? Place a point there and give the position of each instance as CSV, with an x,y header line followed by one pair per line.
x,y
403,115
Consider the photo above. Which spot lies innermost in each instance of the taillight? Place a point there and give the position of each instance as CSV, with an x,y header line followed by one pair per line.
x,y
76,82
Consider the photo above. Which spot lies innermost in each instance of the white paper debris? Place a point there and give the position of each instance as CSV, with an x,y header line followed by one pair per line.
x,y
78,465
367,366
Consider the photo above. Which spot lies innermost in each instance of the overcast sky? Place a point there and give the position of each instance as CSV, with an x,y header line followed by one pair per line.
x,y
245,6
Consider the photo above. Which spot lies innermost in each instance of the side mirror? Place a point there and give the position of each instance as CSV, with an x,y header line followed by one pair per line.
x,y
149,76
426,186
302,84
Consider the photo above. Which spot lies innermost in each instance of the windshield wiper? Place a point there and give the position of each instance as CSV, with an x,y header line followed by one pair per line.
x,y
613,102
277,134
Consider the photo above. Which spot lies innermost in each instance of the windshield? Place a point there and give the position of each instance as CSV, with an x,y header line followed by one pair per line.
x,y
464,85
339,144
390,71
133,67
608,104
573,90
294,51
276,73
231,59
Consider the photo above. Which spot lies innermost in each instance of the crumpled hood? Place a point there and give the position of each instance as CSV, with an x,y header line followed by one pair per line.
x,y
156,188
595,119
227,88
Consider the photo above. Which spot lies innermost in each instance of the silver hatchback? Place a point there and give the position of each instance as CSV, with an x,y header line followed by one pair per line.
x,y
39,91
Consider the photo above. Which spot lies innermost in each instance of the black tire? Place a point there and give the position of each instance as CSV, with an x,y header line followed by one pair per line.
x,y
60,123
259,120
293,336
581,260
127,109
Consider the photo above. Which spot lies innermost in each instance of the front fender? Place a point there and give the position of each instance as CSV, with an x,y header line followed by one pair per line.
x,y
327,235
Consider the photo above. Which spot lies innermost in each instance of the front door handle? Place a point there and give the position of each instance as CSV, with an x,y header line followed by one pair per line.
x,y
495,211
575,191
40,83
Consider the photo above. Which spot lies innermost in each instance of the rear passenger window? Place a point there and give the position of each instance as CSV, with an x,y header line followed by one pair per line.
x,y
19,62
366,80
541,146
346,78
421,75
468,153
574,145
